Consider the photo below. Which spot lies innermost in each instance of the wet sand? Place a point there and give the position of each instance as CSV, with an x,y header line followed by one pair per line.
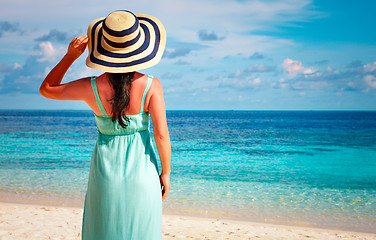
x,y
32,221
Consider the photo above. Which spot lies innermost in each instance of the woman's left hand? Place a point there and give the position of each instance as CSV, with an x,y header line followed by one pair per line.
x,y
77,46
165,184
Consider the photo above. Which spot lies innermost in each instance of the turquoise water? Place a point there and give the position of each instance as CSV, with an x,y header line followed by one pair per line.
x,y
315,168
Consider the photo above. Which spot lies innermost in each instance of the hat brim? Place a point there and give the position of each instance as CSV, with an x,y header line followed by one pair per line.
x,y
148,52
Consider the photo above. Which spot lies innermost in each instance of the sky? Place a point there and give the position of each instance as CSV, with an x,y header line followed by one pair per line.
x,y
220,54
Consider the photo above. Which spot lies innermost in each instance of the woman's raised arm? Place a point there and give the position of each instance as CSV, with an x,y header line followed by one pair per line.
x,y
51,87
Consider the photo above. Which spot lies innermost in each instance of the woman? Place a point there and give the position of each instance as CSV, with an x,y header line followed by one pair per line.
x,y
123,198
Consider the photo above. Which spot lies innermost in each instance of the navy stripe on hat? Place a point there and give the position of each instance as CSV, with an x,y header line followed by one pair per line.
x,y
124,44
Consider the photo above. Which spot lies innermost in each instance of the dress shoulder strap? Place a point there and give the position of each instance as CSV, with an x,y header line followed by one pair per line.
x,y
97,98
150,79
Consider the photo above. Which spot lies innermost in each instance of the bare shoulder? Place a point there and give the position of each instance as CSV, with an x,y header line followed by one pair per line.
x,y
156,86
154,99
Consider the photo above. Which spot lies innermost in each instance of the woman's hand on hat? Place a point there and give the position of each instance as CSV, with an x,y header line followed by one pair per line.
x,y
77,46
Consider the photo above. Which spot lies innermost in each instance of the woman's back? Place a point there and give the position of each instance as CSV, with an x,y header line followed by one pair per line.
x,y
106,92
136,122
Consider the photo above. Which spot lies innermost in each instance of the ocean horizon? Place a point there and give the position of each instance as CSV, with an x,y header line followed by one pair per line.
x,y
302,167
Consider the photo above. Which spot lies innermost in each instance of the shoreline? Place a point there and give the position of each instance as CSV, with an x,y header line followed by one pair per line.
x,y
39,221
172,210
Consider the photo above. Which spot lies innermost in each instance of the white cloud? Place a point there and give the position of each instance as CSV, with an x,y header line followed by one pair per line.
x,y
370,80
237,73
48,52
362,78
256,81
294,67
280,84
370,67
17,66
329,69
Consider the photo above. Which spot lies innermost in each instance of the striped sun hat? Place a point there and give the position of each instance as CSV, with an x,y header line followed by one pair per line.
x,y
125,42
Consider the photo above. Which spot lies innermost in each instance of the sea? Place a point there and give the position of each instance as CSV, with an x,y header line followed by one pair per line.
x,y
305,168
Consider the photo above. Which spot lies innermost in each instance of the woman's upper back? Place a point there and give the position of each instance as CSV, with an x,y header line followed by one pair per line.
x,y
135,122
106,92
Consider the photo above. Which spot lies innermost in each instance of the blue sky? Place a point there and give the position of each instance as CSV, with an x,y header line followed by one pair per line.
x,y
220,55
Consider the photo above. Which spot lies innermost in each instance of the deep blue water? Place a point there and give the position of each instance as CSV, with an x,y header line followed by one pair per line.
x,y
317,167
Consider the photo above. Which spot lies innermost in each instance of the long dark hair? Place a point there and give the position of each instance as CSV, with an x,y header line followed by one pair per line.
x,y
121,83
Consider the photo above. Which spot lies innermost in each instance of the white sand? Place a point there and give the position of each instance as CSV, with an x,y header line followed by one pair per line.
x,y
23,221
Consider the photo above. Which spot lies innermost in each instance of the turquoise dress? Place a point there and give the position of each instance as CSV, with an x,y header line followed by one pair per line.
x,y
123,198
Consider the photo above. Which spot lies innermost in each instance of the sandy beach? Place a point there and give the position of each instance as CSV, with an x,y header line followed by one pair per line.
x,y
29,221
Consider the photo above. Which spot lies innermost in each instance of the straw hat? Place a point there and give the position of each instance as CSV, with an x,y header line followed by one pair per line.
x,y
125,42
